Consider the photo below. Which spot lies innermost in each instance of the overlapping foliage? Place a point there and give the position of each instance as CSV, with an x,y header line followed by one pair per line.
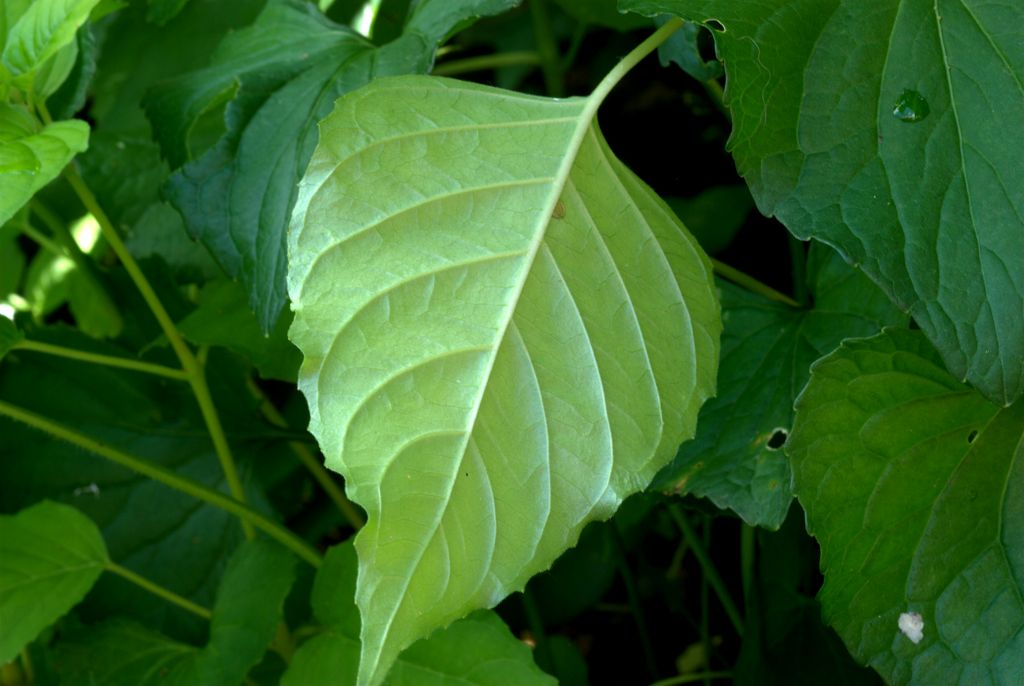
x,y
215,215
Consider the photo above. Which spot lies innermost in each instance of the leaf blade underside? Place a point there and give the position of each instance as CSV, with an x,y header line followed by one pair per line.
x,y
505,333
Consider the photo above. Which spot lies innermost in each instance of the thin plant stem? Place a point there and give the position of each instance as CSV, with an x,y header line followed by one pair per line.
x,y
632,59
43,240
692,678
708,567
158,590
193,368
751,284
106,360
485,62
635,607
309,461
550,63
168,478
798,260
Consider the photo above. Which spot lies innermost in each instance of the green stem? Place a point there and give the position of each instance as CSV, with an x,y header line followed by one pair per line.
x,y
550,64
168,478
107,360
708,567
43,240
691,678
309,460
633,58
158,590
750,283
798,261
485,62
705,609
193,369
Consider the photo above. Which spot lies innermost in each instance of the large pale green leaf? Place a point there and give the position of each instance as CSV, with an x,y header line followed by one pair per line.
x,y
245,619
50,556
284,73
475,651
913,485
736,458
505,333
45,27
31,157
883,129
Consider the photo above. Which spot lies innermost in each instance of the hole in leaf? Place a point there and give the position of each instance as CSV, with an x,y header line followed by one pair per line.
x,y
715,25
778,438
971,436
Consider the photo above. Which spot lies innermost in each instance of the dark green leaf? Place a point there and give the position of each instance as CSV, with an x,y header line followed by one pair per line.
x,y
683,49
884,130
245,620
70,97
736,458
602,13
165,535
286,70
913,485
715,215
162,11
224,318
50,556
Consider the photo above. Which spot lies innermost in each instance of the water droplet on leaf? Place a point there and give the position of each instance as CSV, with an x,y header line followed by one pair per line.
x,y
911,107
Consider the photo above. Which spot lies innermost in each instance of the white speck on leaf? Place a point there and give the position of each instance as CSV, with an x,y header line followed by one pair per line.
x,y
912,626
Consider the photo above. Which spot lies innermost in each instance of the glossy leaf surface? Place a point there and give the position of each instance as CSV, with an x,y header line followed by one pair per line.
x,y
736,458
475,651
31,157
913,484
45,27
884,130
50,556
505,333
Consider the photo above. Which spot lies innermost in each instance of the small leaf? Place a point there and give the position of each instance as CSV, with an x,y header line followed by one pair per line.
x,y
245,620
30,158
224,318
882,130
913,485
736,458
50,556
44,28
505,334
475,651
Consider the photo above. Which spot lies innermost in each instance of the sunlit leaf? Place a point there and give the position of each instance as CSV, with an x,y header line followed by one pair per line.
x,y
505,334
